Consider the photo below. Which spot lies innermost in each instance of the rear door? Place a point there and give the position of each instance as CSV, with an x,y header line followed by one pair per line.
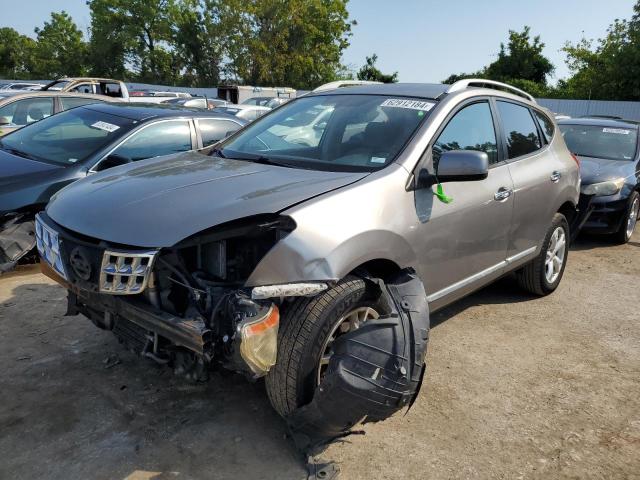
x,y
463,244
535,171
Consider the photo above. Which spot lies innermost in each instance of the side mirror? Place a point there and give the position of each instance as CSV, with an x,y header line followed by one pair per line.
x,y
457,166
111,161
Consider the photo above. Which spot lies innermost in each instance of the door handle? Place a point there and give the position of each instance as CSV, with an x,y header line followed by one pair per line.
x,y
502,194
555,176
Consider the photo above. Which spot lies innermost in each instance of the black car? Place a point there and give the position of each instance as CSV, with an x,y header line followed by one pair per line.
x,y
610,172
39,159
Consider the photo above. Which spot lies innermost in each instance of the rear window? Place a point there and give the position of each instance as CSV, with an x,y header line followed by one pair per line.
x,y
611,143
520,130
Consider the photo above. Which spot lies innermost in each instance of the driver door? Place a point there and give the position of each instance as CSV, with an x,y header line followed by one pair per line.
x,y
463,244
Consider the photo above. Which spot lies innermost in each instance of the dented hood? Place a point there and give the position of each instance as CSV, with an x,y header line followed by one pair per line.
x,y
158,202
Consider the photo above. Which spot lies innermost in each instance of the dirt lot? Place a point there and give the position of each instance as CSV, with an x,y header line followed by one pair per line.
x,y
517,387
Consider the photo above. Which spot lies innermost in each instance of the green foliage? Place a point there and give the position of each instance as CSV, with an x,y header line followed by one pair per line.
x,y
608,69
16,54
522,59
519,63
60,49
370,72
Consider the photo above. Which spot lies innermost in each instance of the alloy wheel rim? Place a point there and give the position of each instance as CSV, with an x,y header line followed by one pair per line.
x,y
632,219
349,322
555,255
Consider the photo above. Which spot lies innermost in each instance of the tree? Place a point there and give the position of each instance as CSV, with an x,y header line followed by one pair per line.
x,y
16,54
141,35
520,63
370,72
60,49
608,69
296,43
109,43
521,59
199,38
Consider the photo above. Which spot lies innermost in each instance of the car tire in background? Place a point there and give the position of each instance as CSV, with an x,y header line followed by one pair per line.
x,y
630,219
543,274
306,327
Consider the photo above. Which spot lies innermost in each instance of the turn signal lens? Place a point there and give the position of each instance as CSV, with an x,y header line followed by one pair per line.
x,y
576,159
259,341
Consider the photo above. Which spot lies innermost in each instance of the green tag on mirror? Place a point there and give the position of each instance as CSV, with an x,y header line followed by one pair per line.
x,y
441,195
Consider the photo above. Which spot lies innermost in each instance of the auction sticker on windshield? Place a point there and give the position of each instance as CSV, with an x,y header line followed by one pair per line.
x,y
411,104
619,131
107,127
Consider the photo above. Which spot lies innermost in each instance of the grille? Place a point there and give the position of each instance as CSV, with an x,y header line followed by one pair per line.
x,y
48,244
124,272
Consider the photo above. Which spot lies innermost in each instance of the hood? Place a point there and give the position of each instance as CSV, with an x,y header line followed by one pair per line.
x,y
158,202
24,182
595,170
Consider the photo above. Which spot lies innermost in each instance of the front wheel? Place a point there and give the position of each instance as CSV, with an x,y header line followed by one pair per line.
x,y
308,327
623,235
542,275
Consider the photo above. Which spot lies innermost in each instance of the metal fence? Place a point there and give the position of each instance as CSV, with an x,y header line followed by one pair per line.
x,y
581,108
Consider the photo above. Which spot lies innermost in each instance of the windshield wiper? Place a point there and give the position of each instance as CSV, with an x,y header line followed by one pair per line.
x,y
262,160
17,153
217,152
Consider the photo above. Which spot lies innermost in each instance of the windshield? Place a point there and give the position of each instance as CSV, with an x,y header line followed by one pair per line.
x,y
68,137
611,143
332,132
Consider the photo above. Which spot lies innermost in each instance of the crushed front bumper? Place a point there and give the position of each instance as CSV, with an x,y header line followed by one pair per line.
x,y
604,216
17,239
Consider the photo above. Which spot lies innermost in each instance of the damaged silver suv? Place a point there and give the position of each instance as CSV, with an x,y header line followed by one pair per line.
x,y
312,252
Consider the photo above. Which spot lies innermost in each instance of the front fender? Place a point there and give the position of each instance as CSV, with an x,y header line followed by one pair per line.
x,y
299,258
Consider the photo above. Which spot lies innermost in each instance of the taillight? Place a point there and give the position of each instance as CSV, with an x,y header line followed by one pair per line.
x,y
576,159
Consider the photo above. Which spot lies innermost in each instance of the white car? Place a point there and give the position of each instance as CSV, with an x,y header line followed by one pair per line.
x,y
246,112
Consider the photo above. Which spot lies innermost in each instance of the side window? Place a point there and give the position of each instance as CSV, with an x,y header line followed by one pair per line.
x,y
83,88
470,129
162,138
214,130
546,125
29,110
520,130
73,102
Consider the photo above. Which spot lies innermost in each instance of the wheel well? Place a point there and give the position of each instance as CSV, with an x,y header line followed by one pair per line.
x,y
379,267
568,209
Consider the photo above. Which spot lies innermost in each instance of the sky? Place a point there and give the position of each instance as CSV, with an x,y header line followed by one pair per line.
x,y
423,40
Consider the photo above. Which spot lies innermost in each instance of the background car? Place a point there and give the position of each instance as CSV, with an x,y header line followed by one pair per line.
x,y
246,112
20,109
39,159
260,101
20,86
610,172
197,102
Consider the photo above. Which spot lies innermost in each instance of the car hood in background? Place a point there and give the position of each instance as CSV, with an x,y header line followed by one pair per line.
x,y
159,202
595,170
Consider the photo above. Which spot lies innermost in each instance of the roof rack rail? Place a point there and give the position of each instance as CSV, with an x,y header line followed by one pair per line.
x,y
479,82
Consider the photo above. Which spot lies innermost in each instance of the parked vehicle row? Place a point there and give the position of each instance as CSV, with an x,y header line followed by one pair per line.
x,y
311,245
37,161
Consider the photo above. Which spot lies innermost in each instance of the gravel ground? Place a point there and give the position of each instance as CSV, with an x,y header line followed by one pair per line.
x,y
517,387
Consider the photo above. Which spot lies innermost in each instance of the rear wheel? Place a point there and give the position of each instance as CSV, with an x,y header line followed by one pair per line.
x,y
308,327
623,235
542,275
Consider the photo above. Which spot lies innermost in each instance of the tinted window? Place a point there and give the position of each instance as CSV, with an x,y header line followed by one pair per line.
x,y
613,143
68,137
546,125
470,129
213,130
29,110
357,133
161,138
520,130
73,102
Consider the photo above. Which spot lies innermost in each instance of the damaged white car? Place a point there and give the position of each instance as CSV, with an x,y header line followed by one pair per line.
x,y
316,265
